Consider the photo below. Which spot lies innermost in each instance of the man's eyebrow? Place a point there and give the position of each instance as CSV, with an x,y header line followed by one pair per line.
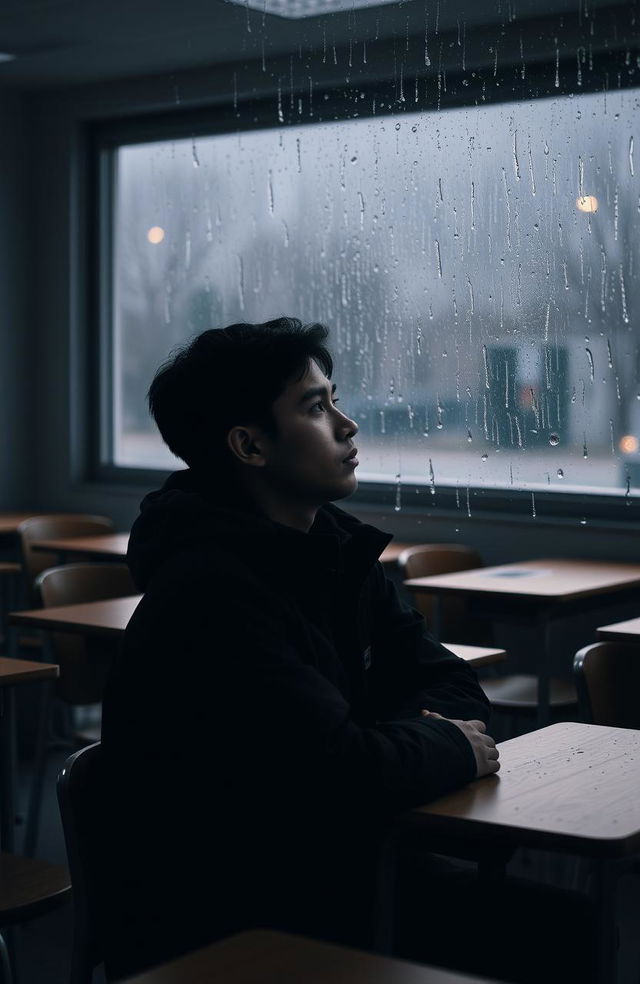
x,y
315,391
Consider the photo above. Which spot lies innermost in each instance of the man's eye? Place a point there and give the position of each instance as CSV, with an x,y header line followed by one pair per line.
x,y
320,405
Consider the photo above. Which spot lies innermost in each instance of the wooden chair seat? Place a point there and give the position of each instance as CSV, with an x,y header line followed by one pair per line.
x,y
519,692
30,887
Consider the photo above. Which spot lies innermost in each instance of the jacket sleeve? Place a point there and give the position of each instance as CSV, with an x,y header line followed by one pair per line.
x,y
283,718
410,669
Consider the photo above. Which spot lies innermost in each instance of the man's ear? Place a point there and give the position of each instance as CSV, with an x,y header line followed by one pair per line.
x,y
246,443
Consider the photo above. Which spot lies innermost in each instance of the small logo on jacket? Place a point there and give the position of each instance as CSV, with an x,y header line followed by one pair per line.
x,y
366,657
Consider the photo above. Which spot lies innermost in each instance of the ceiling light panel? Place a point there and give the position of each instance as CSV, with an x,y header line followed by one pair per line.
x,y
296,9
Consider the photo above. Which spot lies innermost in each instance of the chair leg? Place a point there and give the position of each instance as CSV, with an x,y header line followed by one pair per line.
x,y
5,608
81,965
68,721
39,769
6,972
385,896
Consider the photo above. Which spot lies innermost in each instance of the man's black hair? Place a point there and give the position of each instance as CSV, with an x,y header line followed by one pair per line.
x,y
230,376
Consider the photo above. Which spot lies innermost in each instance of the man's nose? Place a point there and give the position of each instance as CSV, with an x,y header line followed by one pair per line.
x,y
349,425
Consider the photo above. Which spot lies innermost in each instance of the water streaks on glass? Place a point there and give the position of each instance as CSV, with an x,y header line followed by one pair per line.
x,y
464,255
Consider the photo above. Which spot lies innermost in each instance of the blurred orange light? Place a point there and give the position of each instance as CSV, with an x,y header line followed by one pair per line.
x,y
629,444
155,235
587,203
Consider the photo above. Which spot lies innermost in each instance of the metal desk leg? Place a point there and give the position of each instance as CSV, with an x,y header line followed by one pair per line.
x,y
8,754
45,707
7,769
607,925
544,661
436,628
385,902
45,711
492,869
14,648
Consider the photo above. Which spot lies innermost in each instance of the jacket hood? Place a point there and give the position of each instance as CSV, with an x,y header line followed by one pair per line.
x,y
185,516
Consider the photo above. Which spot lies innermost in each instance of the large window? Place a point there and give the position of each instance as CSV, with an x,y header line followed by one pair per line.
x,y
478,269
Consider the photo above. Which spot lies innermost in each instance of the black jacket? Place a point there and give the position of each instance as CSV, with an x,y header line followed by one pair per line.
x,y
262,725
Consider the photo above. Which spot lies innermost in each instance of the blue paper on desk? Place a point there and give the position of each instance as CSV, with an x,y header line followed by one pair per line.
x,y
515,572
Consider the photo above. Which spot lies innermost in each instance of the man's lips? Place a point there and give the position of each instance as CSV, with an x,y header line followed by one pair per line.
x,y
351,455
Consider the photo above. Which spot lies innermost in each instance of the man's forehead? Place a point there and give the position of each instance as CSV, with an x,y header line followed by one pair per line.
x,y
313,375
313,378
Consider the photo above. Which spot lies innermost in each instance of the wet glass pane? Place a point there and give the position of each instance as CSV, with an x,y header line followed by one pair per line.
x,y
478,269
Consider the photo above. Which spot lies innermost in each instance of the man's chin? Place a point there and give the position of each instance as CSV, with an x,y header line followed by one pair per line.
x,y
345,490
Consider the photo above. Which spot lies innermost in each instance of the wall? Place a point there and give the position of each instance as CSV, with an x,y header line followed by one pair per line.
x,y
61,315
16,271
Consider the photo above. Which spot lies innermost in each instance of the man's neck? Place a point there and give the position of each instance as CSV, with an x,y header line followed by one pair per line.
x,y
298,517
288,511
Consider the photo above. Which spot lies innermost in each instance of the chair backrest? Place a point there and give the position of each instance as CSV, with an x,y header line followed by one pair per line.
x,y
607,677
79,788
49,528
437,558
456,624
74,584
84,665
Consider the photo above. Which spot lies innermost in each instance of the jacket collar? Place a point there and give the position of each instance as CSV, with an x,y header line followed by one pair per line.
x,y
186,515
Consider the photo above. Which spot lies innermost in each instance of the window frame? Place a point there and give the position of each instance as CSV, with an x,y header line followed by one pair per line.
x,y
330,103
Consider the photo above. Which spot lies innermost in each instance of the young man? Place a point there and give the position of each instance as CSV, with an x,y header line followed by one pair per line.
x,y
275,704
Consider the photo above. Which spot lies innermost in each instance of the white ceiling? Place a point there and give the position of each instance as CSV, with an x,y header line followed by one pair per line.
x,y
63,42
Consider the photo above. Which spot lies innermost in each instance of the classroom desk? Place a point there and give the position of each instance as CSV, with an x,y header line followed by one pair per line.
x,y
569,787
7,567
107,619
12,673
10,521
476,655
536,592
103,546
9,597
391,553
627,631
113,546
110,618
262,956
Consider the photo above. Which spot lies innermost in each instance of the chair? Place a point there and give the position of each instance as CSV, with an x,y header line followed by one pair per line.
x,y
512,694
79,786
456,622
517,693
81,679
48,528
84,664
607,676
28,888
